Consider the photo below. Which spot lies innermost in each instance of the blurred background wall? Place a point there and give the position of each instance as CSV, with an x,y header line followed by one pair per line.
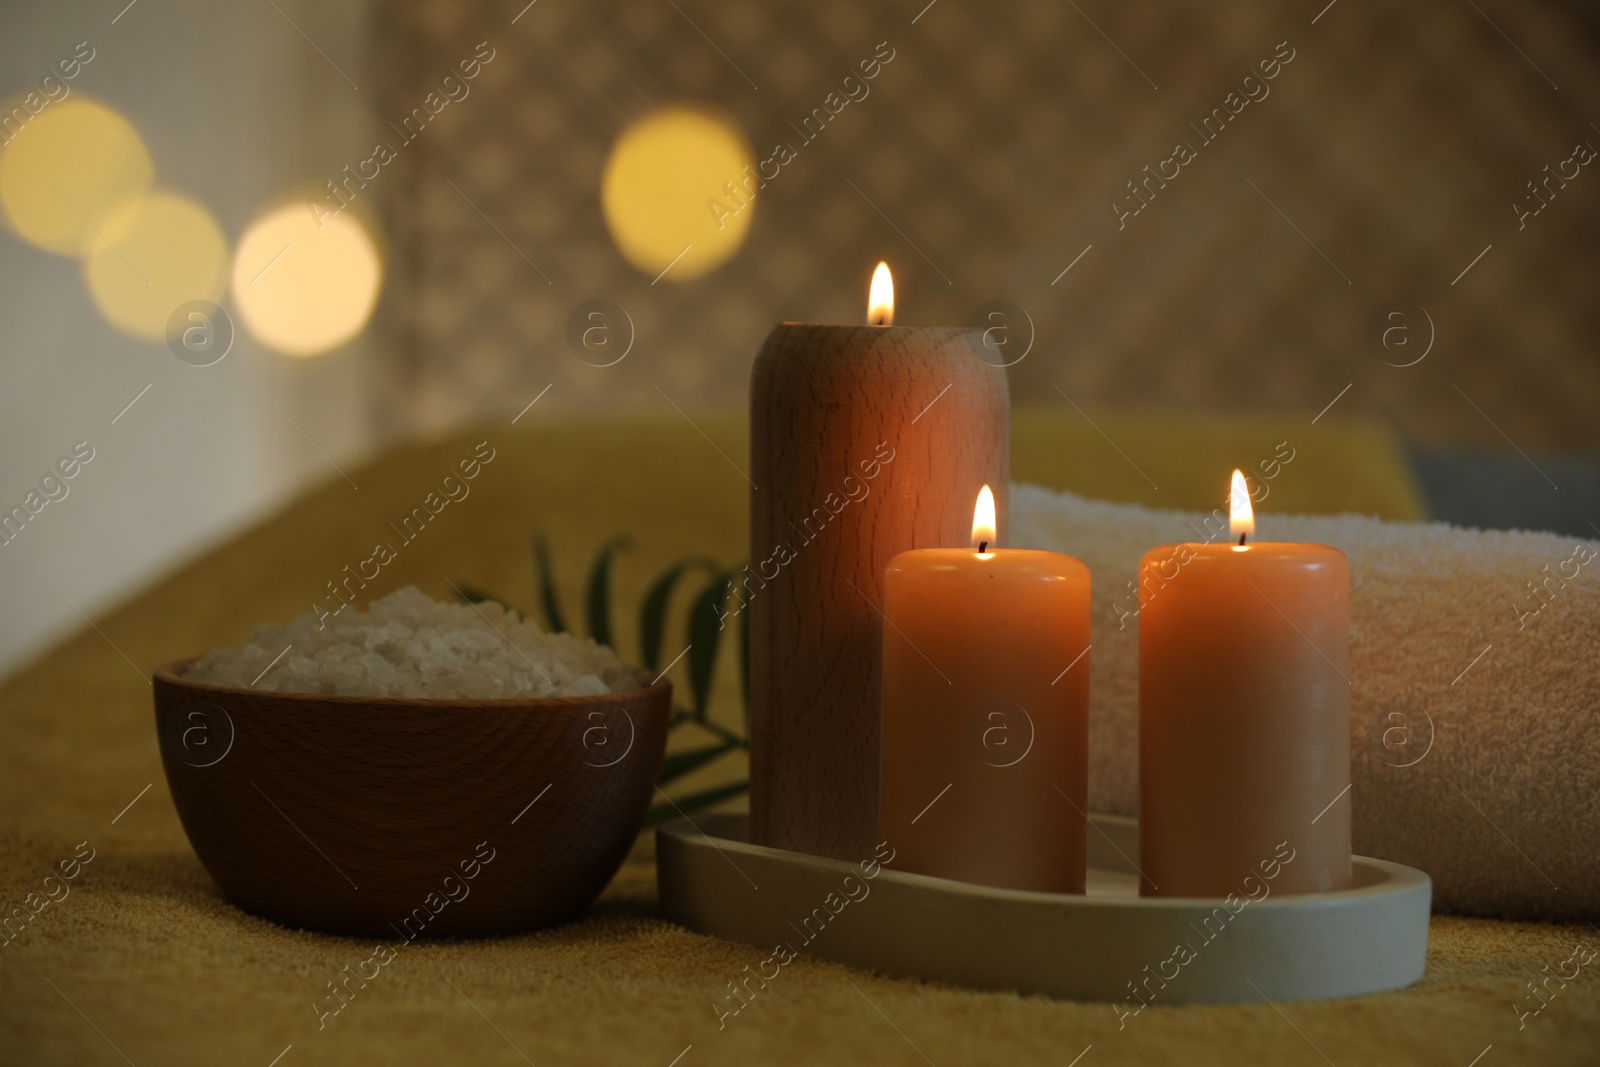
x,y
235,109
540,156
1383,158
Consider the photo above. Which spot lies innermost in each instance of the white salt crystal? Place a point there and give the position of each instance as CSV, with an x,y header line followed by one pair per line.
x,y
409,645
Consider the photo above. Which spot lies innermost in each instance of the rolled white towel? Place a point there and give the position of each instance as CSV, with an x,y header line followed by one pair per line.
x,y
1474,691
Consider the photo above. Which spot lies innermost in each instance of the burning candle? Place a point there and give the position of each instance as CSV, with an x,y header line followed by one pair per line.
x,y
986,713
1244,698
865,441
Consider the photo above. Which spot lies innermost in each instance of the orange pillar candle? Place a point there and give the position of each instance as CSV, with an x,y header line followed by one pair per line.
x,y
984,748
1244,705
865,441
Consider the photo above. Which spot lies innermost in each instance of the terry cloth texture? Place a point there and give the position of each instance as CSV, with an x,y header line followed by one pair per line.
x,y
145,962
1474,687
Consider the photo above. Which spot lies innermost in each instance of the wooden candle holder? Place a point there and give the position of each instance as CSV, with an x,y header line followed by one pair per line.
x,y
865,441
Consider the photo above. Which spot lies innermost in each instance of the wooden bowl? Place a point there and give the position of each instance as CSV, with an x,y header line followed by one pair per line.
x,y
409,818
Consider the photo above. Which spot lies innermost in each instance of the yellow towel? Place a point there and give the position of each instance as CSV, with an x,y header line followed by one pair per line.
x,y
145,955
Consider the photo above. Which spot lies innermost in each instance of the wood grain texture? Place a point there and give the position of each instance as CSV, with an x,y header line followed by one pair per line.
x,y
348,814
865,442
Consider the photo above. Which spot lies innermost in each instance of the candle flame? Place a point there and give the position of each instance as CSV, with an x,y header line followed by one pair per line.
x,y
1241,517
880,298
983,523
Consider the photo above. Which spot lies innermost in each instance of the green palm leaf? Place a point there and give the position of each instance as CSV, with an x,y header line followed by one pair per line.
x,y
707,619
547,585
705,637
693,802
653,612
679,764
599,599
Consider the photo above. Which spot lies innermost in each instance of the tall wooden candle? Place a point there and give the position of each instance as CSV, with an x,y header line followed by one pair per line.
x,y
865,442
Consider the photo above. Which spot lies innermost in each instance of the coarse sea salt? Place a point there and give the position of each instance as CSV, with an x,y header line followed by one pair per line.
x,y
410,645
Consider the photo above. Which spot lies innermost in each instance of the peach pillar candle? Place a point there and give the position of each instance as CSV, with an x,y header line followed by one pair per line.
x,y
865,441
985,742
1244,714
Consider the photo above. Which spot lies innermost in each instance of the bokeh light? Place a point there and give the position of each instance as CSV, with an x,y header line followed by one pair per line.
x,y
301,289
666,189
69,169
151,255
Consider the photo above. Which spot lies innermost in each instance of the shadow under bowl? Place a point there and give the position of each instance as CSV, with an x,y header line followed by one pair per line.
x,y
409,817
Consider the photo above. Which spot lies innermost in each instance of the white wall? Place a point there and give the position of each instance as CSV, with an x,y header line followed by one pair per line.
x,y
237,110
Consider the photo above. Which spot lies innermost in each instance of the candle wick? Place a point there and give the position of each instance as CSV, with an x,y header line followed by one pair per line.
x,y
1242,537
982,546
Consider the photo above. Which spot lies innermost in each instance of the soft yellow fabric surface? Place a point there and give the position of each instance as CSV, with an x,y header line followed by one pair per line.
x,y
1183,462
143,962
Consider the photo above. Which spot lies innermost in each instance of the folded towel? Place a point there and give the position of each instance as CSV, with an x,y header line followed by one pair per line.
x,y
1474,687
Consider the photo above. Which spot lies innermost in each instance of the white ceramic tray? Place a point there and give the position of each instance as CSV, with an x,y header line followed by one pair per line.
x,y
1106,945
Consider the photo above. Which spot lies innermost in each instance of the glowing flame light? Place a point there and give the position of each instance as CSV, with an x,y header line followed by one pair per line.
x,y
1241,517
880,299
983,524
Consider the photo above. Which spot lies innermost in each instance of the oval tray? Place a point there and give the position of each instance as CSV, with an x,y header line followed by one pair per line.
x,y
1109,944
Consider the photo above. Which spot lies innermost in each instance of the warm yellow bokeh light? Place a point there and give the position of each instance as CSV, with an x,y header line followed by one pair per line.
x,y
301,289
679,179
69,169
152,255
